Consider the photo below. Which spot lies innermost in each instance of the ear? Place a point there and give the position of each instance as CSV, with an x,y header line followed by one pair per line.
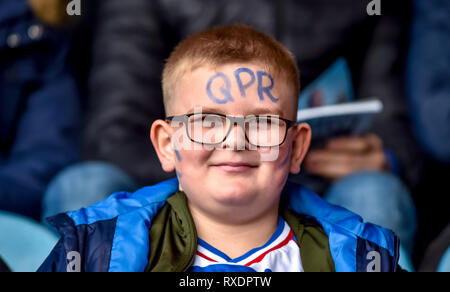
x,y
160,135
300,146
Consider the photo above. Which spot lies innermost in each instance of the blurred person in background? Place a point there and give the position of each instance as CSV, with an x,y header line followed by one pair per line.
x,y
428,83
39,103
133,39
429,77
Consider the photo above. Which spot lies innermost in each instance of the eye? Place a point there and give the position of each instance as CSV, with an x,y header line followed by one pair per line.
x,y
209,124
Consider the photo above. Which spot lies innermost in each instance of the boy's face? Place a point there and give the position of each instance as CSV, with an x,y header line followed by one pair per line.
x,y
229,178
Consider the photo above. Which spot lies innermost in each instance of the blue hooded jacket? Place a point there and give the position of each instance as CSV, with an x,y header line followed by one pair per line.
x,y
113,235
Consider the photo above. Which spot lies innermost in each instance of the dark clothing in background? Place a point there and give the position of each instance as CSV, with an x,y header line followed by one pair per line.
x,y
428,86
429,76
435,251
39,108
134,38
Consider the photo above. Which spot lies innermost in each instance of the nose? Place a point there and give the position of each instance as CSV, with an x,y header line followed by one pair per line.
x,y
236,139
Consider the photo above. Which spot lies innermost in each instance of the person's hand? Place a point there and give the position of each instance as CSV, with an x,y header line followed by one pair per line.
x,y
50,12
346,155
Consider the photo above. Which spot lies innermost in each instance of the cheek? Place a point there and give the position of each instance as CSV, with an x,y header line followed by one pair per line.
x,y
191,162
285,158
277,168
278,157
188,155
191,168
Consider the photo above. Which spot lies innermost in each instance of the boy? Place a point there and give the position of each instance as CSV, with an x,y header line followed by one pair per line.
x,y
230,94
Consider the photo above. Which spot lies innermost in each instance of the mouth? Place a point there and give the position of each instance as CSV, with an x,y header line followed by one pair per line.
x,y
235,167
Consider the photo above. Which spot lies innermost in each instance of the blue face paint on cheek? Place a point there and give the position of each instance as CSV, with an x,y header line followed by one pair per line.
x,y
178,155
225,91
286,160
244,87
265,89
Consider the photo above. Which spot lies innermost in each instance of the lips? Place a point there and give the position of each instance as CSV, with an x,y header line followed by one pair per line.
x,y
235,167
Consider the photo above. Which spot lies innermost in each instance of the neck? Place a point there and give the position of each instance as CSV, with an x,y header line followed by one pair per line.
x,y
234,237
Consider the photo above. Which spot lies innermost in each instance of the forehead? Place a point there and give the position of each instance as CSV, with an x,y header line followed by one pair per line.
x,y
234,89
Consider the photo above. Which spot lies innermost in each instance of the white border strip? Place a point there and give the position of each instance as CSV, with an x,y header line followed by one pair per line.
x,y
364,107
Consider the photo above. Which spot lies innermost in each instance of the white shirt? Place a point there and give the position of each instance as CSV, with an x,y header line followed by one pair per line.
x,y
280,254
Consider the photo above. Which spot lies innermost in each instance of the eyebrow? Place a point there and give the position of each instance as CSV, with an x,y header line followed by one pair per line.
x,y
256,111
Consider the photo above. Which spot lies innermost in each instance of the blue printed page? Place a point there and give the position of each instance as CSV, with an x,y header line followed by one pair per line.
x,y
332,87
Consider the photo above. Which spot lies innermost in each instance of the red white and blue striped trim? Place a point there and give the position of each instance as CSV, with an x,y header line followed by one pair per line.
x,y
280,254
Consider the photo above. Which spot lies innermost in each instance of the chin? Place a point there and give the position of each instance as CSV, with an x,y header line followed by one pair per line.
x,y
235,194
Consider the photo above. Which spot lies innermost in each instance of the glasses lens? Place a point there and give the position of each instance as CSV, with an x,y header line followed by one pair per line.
x,y
207,128
265,131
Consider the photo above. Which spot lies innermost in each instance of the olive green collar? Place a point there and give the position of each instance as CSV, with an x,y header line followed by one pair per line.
x,y
173,239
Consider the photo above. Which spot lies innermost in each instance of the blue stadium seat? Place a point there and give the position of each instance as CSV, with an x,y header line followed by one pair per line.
x,y
24,243
405,260
444,265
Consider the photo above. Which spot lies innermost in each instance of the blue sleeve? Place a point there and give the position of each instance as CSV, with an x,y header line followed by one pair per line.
x,y
429,75
46,139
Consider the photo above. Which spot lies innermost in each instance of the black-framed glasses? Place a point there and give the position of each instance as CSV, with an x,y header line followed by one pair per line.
x,y
213,128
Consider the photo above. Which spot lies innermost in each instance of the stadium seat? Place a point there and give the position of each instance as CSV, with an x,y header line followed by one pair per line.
x,y
444,265
405,260
24,243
